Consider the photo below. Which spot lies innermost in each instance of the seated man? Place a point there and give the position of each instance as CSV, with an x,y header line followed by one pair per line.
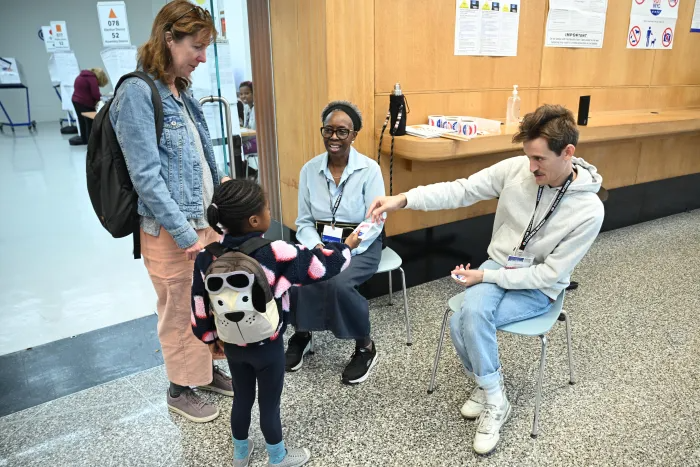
x,y
532,251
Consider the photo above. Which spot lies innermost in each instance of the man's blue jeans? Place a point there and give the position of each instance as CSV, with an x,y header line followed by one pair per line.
x,y
485,308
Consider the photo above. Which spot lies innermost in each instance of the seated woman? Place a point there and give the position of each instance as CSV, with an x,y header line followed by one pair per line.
x,y
337,188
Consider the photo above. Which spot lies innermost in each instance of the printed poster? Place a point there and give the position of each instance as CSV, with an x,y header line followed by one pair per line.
x,y
487,28
695,25
576,23
652,24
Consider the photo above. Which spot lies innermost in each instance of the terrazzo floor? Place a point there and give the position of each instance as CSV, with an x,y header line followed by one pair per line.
x,y
636,338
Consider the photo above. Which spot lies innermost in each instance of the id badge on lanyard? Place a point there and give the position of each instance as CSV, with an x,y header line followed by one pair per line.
x,y
331,233
521,259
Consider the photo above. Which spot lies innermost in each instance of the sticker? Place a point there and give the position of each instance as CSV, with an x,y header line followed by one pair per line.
x,y
667,37
635,36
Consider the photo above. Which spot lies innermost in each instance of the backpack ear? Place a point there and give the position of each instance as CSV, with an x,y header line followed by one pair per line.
x,y
258,294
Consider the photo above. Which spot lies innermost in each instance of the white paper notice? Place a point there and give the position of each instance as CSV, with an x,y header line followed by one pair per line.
x,y
67,67
695,25
576,23
487,28
9,73
53,71
67,96
113,24
60,36
652,24
118,62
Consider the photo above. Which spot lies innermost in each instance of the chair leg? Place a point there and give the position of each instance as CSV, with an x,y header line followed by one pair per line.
x,y
538,396
431,386
391,290
572,374
409,339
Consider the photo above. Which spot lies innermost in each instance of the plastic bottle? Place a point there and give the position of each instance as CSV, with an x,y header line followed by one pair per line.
x,y
513,110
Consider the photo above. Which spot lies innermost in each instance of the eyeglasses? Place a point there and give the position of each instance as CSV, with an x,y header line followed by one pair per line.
x,y
341,133
237,281
201,12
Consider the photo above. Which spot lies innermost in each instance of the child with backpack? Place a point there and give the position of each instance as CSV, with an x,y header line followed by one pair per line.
x,y
240,308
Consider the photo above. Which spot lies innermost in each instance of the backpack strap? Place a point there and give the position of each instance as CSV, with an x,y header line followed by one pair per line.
x,y
216,249
155,99
247,248
250,246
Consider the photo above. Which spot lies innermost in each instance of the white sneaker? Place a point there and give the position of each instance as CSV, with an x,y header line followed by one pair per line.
x,y
473,407
475,404
491,420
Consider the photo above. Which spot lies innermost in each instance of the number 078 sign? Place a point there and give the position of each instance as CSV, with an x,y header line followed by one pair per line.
x,y
113,24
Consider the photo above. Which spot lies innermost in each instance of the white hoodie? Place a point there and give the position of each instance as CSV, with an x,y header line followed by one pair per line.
x,y
558,246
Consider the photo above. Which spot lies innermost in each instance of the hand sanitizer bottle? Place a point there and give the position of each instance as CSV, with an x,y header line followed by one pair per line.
x,y
513,110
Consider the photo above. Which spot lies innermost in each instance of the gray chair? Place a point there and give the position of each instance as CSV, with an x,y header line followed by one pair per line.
x,y
537,326
390,262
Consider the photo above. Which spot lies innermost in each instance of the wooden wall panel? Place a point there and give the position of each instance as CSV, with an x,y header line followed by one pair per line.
x,y
616,162
350,62
674,97
415,46
680,65
299,61
602,99
613,65
669,157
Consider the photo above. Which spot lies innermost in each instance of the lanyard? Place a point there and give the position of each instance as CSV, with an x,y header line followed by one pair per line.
x,y
530,232
334,207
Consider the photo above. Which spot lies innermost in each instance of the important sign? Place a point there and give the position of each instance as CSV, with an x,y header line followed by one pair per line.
x,y
113,24
652,24
59,31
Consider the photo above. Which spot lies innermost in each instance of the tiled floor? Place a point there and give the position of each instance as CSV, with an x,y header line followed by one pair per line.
x,y
62,274
636,339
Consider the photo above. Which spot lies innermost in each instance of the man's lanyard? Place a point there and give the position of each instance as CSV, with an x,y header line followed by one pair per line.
x,y
334,207
530,232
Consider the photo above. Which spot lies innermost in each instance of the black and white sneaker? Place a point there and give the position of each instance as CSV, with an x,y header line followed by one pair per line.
x,y
299,345
361,363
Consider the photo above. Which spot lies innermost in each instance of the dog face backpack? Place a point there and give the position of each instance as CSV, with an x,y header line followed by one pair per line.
x,y
240,296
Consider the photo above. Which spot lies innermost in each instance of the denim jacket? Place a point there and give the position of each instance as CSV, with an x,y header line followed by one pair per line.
x,y
166,176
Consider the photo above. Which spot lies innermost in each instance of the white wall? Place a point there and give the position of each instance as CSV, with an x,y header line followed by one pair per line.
x,y
20,22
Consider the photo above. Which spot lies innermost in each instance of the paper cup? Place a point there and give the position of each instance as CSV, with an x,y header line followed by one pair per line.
x,y
467,127
451,123
436,120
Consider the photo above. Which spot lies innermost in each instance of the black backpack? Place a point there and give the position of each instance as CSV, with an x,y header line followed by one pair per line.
x,y
112,194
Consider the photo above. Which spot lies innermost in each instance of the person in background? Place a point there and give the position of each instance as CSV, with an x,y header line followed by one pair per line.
x,y
250,143
246,90
547,217
337,187
86,95
175,180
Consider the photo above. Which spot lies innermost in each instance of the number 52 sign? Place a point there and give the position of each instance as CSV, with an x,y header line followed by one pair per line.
x,y
113,24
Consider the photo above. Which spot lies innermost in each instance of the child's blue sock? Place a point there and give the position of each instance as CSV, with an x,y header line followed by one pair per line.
x,y
240,448
276,452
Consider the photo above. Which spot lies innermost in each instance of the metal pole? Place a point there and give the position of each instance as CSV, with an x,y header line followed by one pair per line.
x,y
229,136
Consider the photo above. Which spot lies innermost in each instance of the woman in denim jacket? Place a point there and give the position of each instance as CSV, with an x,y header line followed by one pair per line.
x,y
175,180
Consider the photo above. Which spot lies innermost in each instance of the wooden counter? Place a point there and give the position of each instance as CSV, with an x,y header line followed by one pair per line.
x,y
602,127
